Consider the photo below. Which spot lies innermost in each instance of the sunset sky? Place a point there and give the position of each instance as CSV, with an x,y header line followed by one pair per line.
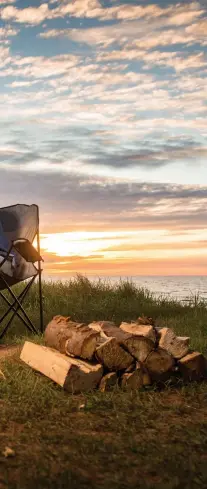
x,y
103,124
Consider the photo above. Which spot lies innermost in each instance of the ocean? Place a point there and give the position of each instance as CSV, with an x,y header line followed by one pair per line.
x,y
181,288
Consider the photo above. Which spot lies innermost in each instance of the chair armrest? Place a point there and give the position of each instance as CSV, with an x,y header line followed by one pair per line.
x,y
26,250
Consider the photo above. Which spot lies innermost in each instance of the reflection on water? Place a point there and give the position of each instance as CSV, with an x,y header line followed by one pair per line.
x,y
176,287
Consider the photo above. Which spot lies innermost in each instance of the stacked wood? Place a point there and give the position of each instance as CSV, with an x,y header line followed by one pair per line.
x,y
72,374
108,381
112,355
159,364
133,380
193,366
138,346
138,329
75,339
82,357
177,346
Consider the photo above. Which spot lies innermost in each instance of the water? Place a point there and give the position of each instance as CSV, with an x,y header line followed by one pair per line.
x,y
182,288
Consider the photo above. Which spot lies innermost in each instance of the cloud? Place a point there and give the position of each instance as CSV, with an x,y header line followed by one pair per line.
x,y
198,30
7,31
151,159
179,15
29,15
69,202
20,84
40,66
6,2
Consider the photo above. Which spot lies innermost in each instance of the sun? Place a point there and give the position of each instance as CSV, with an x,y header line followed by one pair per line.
x,y
82,243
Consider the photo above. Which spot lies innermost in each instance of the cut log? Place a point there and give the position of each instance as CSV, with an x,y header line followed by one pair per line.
x,y
145,320
159,364
113,356
100,325
75,339
139,329
146,378
133,380
2,376
73,375
193,366
108,382
177,346
138,346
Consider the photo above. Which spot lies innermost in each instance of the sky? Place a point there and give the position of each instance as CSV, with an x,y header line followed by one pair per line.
x,y
103,124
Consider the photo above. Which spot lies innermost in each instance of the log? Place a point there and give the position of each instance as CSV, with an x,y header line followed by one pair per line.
x,y
177,346
75,339
146,378
145,320
108,381
133,380
159,364
138,346
193,366
112,355
2,376
73,375
100,325
139,329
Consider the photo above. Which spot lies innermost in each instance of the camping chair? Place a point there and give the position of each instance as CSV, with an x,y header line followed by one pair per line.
x,y
19,226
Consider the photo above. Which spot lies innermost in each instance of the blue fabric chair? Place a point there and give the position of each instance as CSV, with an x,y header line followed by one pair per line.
x,y
19,225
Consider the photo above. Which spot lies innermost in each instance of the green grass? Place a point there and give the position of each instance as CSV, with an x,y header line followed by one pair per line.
x,y
148,439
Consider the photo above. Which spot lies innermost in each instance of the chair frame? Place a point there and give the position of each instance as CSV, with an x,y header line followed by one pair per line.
x,y
16,306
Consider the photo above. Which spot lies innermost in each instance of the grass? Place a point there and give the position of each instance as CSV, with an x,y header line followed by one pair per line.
x,y
148,439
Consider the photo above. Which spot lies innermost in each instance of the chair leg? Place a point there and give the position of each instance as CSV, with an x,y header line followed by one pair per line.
x,y
15,307
12,306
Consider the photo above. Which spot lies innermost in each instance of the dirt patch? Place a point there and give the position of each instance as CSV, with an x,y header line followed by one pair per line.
x,y
9,351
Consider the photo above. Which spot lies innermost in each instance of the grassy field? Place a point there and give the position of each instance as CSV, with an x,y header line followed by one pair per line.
x,y
148,439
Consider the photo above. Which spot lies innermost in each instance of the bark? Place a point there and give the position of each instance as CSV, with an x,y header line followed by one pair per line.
x,y
72,374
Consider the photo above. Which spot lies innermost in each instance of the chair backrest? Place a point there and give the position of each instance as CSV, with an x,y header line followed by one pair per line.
x,y
19,222
4,242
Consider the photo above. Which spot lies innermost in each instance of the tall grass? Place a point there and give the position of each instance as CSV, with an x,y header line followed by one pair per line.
x,y
86,301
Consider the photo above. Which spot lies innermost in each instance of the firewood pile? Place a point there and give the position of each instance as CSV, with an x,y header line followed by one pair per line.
x,y
135,355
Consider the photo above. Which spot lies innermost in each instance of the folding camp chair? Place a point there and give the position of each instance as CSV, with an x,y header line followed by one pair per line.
x,y
19,226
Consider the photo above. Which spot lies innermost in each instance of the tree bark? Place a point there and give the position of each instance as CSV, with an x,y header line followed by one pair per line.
x,y
72,338
73,375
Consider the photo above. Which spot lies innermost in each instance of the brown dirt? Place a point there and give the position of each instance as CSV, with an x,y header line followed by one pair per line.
x,y
8,350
